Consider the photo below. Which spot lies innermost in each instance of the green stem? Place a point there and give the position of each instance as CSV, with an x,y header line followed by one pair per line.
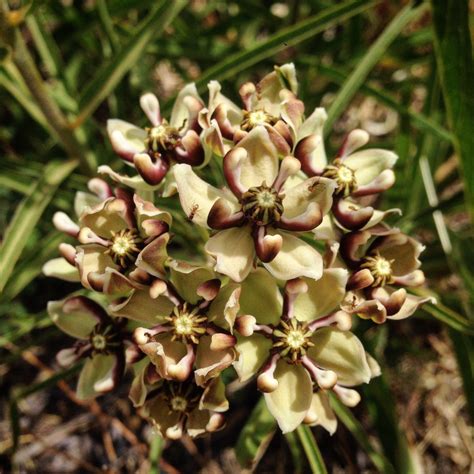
x,y
311,449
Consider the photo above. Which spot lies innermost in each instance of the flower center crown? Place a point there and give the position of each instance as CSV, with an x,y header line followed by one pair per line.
x,y
380,268
105,338
256,117
292,339
181,397
262,204
188,326
343,176
161,138
124,247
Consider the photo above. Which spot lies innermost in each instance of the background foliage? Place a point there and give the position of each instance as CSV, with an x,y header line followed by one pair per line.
x,y
403,70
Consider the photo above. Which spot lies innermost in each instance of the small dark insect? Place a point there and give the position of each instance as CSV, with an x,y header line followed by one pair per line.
x,y
194,209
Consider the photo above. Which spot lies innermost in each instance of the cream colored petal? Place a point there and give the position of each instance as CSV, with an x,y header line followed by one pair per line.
x,y
325,416
133,136
234,113
135,182
62,269
411,304
145,210
261,163
261,298
295,259
253,352
234,252
290,402
404,251
323,296
187,277
157,409
298,198
138,390
213,397
139,306
195,195
326,230
225,307
209,363
92,258
84,201
163,352
96,377
368,164
342,352
180,111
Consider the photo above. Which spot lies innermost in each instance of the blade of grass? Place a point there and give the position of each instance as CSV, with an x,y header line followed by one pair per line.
x,y
112,72
28,214
290,36
156,447
370,59
255,436
346,417
311,450
449,317
453,51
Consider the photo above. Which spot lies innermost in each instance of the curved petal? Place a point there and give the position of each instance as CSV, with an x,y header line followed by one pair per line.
x,y
153,257
403,250
411,304
138,390
186,278
92,259
196,196
323,295
322,413
368,164
297,199
224,308
99,375
126,138
181,109
291,400
253,352
261,162
213,397
234,252
216,98
134,182
158,410
197,422
209,363
139,306
110,216
60,268
84,201
295,259
77,319
260,297
341,352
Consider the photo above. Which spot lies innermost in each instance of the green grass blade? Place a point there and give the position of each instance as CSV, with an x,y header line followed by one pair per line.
x,y
346,417
156,447
311,449
28,214
255,435
367,63
112,72
290,36
456,71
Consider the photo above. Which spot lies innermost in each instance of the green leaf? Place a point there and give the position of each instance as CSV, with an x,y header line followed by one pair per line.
x,y
346,417
112,72
367,63
255,435
456,71
311,449
28,214
290,36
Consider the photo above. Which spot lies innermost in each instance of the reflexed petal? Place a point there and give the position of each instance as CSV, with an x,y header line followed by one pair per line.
x,y
83,201
341,352
261,163
92,259
322,411
234,252
297,199
138,390
78,319
157,409
186,278
110,216
295,259
139,306
368,164
146,210
260,297
378,216
290,402
62,269
234,113
134,182
196,196
213,397
224,308
253,352
411,304
197,422
323,295
153,257
99,375
209,363
125,137
403,250
181,111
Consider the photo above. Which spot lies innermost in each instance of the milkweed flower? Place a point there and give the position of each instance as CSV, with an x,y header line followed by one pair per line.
x,y
260,213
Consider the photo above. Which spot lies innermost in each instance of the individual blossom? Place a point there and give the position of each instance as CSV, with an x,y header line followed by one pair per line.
x,y
303,346
154,149
383,262
177,408
268,103
101,341
358,173
122,240
260,212
188,322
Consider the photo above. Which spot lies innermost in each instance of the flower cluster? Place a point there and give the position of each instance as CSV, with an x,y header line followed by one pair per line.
x,y
294,254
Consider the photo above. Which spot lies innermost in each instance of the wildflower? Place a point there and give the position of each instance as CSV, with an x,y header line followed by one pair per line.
x,y
308,348
101,341
382,259
260,214
123,240
154,149
189,320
